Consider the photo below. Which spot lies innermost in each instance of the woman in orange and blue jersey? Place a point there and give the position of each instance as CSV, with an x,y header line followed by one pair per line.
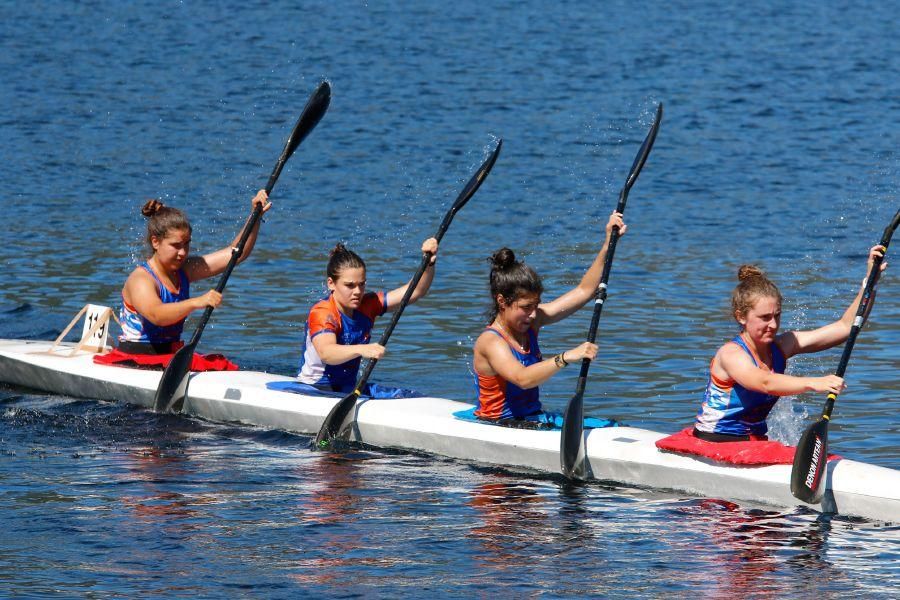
x,y
508,363
338,329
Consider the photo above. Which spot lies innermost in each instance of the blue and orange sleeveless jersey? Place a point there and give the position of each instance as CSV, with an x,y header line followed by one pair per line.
x,y
325,317
732,409
136,328
500,399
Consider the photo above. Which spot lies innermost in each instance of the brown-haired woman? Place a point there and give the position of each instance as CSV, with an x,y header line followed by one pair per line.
x,y
746,376
339,326
507,362
156,297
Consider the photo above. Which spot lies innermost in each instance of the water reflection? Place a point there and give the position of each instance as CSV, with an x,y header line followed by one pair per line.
x,y
511,517
332,494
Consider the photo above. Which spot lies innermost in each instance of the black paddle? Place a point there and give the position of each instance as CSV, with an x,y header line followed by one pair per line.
x,y
571,451
333,423
173,384
811,457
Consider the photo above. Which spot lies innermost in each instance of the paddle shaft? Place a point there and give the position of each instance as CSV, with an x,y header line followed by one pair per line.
x,y
309,118
572,436
864,306
330,427
173,384
464,197
811,455
601,294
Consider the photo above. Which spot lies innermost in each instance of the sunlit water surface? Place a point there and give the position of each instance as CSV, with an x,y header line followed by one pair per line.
x,y
777,147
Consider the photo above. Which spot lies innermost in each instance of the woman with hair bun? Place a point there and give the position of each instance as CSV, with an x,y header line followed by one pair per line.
x,y
508,363
156,297
339,326
746,375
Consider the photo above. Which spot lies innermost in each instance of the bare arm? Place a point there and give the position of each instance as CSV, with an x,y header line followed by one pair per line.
x,y
571,301
394,297
332,353
731,362
210,265
823,338
140,292
492,357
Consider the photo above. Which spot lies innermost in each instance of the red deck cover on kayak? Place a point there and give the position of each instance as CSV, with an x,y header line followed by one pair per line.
x,y
199,362
734,453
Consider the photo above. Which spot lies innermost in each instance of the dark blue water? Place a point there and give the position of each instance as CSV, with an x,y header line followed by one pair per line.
x,y
777,147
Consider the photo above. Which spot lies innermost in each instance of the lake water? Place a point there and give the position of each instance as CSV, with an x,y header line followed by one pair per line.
x,y
778,147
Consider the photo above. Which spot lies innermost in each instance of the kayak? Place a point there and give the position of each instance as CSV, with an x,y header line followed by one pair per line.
x,y
626,455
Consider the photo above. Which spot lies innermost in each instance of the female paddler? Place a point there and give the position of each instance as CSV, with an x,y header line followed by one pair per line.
x,y
338,329
746,375
156,297
508,363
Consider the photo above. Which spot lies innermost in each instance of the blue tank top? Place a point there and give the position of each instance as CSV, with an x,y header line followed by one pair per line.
x,y
732,409
500,399
135,328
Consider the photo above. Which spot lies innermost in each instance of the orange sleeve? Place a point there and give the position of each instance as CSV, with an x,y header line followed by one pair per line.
x,y
322,320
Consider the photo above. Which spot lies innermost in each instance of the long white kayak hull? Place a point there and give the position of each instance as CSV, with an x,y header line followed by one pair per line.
x,y
620,454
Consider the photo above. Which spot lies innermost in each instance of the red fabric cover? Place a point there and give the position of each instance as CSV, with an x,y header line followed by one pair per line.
x,y
734,453
158,362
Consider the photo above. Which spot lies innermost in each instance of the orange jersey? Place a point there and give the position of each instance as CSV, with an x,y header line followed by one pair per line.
x,y
499,399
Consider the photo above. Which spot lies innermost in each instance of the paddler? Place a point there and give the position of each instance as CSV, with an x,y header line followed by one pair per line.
x,y
338,329
508,363
156,297
746,375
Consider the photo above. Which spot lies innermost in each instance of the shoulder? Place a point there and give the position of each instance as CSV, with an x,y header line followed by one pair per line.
x,y
140,276
488,339
373,304
729,352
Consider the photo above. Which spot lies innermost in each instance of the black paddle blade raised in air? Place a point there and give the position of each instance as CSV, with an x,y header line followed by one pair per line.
x,y
810,463
644,152
571,443
173,383
467,192
312,113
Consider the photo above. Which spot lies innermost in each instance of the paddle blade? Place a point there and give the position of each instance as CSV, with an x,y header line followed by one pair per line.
x,y
173,383
312,113
467,192
810,463
644,151
571,442
332,424
478,177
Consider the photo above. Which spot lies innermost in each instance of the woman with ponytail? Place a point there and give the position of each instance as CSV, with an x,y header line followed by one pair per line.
x,y
508,363
339,327
746,376
156,297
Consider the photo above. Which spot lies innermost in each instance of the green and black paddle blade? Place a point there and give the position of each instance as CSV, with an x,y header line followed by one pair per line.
x,y
811,457
332,426
571,452
172,387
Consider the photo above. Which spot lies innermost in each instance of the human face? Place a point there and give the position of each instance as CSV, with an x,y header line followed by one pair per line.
x,y
172,250
349,288
762,321
519,314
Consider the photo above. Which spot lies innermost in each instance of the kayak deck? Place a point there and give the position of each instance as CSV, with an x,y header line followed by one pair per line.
x,y
622,454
